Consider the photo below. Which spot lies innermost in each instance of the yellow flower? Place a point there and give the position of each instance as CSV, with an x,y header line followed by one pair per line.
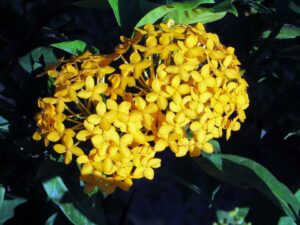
x,y
171,87
68,148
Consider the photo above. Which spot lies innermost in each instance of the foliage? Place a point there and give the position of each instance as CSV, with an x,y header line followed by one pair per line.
x,y
264,155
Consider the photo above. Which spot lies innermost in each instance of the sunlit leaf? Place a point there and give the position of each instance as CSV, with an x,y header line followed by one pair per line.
x,y
115,7
246,173
75,47
155,14
196,15
178,8
80,209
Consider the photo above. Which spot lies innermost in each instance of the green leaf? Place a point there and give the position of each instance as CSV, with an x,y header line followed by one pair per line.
x,y
75,47
191,4
246,173
159,12
288,31
197,15
292,134
155,14
233,217
36,58
7,208
226,6
286,220
2,192
4,125
79,208
51,219
114,4
294,7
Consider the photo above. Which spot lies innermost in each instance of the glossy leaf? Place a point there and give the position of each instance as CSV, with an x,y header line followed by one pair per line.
x,y
159,12
2,192
80,209
286,220
196,15
114,4
226,6
155,14
36,57
294,7
288,31
51,219
246,173
75,47
7,208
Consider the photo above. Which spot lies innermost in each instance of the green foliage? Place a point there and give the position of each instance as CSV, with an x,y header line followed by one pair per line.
x,y
80,209
246,173
115,7
234,217
37,58
287,31
75,47
7,206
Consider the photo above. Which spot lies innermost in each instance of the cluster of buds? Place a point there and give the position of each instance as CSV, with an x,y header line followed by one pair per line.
x,y
169,87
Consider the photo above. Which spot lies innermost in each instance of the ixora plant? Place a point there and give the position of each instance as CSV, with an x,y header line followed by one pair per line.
x,y
171,86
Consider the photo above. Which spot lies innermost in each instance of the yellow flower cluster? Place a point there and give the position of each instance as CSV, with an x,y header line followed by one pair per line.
x,y
170,86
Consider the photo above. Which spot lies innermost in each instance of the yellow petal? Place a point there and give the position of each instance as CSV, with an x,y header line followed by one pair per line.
x,y
59,148
94,119
82,135
82,159
149,173
191,41
135,58
85,94
89,83
68,157
86,169
208,147
76,151
160,145
53,136
37,136
107,166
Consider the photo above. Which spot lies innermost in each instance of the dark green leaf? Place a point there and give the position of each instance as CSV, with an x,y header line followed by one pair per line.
x,y
286,220
246,173
292,134
36,58
226,6
2,192
75,47
80,209
294,7
191,4
4,125
51,219
94,4
288,31
8,207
